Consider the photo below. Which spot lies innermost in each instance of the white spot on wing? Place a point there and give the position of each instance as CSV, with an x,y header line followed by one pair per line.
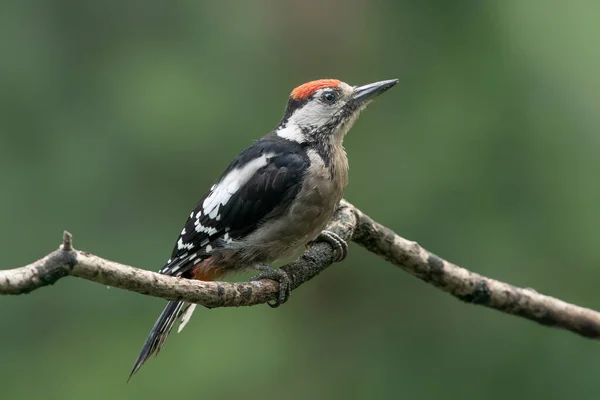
x,y
206,229
227,238
230,184
208,248
181,245
183,231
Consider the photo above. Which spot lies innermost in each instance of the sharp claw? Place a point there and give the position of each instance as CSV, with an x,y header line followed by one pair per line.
x,y
278,275
339,245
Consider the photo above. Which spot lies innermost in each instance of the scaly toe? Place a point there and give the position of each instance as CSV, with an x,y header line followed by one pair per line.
x,y
339,245
278,275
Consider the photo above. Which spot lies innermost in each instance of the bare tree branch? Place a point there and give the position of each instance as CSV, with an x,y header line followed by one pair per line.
x,y
471,287
348,223
66,261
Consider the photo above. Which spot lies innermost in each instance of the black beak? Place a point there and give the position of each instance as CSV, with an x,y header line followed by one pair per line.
x,y
365,93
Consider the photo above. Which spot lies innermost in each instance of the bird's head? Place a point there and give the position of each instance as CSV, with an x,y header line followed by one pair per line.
x,y
324,110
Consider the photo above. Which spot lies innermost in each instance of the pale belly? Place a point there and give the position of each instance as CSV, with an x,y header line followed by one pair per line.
x,y
285,234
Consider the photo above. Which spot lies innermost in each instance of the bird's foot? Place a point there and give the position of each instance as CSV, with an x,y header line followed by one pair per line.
x,y
279,275
339,245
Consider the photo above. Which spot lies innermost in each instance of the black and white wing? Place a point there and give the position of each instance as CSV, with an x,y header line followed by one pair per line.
x,y
262,179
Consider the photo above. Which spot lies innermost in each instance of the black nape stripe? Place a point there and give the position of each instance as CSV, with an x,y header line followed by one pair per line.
x,y
293,104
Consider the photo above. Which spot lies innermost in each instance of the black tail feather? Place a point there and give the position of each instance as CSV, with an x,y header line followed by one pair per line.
x,y
158,334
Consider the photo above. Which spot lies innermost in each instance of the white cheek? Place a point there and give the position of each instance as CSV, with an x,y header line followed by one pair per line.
x,y
314,114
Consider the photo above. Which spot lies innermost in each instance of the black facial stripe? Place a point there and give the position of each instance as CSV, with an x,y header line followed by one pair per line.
x,y
293,105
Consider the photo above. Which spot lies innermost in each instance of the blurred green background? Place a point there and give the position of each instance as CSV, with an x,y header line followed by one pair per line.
x,y
115,117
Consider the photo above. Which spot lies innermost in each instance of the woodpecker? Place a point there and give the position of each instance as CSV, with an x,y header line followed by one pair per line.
x,y
276,196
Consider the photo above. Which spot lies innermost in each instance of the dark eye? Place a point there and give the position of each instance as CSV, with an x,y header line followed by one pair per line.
x,y
329,97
